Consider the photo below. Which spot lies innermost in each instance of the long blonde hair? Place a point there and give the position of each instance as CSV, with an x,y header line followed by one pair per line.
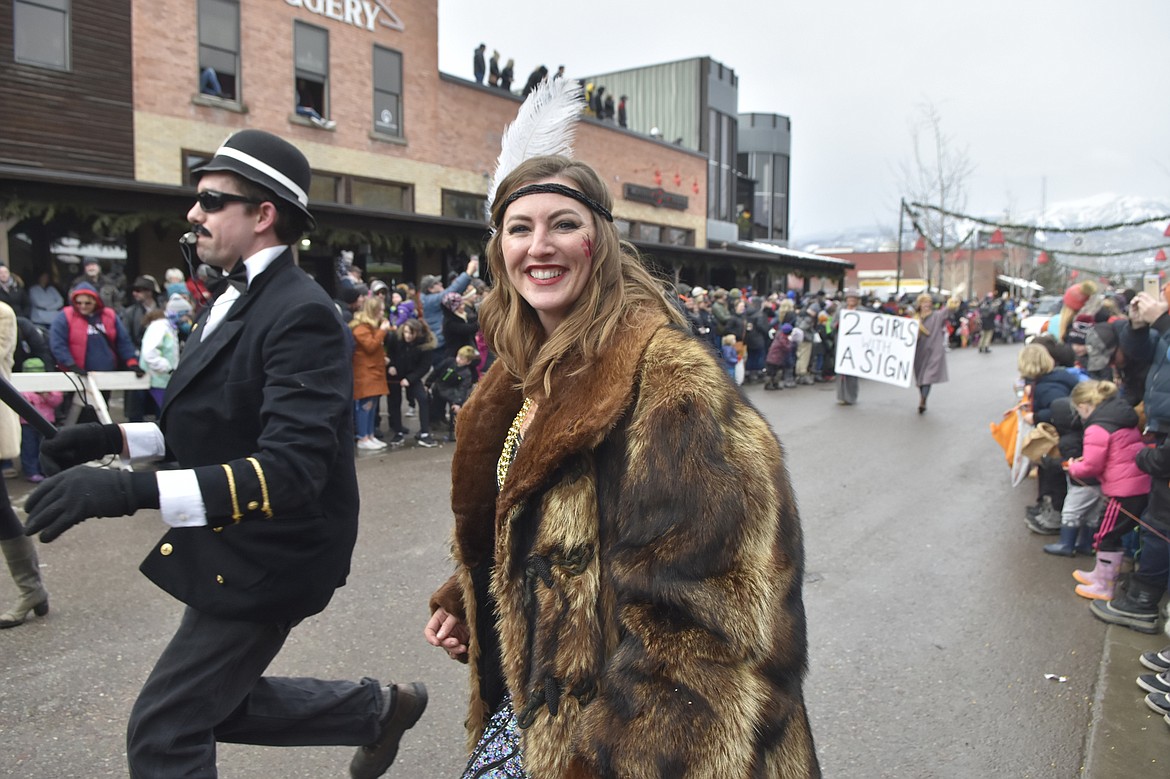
x,y
925,297
618,287
369,314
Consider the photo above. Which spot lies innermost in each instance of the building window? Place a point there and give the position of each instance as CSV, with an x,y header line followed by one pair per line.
x,y
387,91
648,232
191,160
41,33
678,236
312,71
380,195
219,48
780,195
623,228
463,205
721,157
323,187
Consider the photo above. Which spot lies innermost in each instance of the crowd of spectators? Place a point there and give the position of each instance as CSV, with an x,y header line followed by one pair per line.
x,y
1093,387
598,103
95,323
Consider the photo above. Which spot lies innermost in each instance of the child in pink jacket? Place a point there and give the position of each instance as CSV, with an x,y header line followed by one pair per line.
x,y
1112,441
30,438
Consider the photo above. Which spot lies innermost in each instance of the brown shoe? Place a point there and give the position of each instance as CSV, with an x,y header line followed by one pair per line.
x,y
405,704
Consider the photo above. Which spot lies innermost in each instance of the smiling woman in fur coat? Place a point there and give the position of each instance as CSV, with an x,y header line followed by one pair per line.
x,y
628,549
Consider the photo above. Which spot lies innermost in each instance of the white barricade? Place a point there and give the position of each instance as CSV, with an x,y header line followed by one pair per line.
x,y
94,383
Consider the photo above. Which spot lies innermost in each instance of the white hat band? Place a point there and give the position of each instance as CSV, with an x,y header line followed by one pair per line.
x,y
266,169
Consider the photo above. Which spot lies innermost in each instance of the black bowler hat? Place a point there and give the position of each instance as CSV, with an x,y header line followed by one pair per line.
x,y
268,161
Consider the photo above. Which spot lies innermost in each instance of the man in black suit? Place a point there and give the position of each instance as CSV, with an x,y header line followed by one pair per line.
x,y
264,508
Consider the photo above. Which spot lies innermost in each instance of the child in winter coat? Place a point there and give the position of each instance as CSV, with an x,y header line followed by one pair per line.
x,y
1079,518
1111,445
160,349
780,360
30,438
1047,383
451,383
1137,607
730,355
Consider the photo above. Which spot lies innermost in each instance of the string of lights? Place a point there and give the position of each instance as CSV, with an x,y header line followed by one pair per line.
x,y
1027,228
1011,226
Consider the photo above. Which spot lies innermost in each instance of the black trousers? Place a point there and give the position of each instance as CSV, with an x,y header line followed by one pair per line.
x,y
416,392
208,686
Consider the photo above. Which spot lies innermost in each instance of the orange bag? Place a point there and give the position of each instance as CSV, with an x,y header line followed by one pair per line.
x,y
1005,432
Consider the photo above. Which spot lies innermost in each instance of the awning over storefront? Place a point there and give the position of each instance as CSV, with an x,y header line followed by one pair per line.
x,y
749,254
124,205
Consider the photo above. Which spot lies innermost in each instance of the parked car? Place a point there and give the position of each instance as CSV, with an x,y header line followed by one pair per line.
x,y
1046,308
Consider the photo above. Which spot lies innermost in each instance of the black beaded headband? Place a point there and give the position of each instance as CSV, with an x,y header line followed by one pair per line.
x,y
557,189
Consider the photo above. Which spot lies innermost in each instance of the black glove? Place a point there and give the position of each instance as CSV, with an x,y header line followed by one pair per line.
x,y
72,497
138,371
79,444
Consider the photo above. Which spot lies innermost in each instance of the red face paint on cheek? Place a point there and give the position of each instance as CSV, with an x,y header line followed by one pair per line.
x,y
587,246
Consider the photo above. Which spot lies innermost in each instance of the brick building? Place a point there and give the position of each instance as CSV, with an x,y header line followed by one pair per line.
x,y
120,98
968,273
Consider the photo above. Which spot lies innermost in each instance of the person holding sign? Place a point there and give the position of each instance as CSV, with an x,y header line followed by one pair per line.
x,y
847,386
930,357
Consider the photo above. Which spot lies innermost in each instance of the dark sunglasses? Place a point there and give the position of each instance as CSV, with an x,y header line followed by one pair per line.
x,y
211,201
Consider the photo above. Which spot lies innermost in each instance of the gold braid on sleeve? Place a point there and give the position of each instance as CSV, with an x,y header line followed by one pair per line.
x,y
237,515
267,507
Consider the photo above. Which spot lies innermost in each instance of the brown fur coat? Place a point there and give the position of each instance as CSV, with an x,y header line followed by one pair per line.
x,y
644,566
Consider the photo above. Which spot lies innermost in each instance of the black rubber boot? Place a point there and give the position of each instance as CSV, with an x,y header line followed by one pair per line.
x,y
1084,543
1137,609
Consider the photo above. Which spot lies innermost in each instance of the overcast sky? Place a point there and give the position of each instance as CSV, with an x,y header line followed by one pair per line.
x,y
1063,98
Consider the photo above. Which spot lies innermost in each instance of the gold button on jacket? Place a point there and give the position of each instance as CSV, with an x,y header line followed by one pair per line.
x,y
166,549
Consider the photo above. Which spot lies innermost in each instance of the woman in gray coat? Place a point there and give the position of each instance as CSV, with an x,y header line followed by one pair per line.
x,y
930,356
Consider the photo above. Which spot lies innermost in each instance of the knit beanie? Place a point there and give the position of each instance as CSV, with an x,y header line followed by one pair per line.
x,y
1076,296
178,305
1079,329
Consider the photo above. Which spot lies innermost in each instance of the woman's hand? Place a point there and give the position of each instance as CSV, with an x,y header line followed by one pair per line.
x,y
405,383
447,632
1029,418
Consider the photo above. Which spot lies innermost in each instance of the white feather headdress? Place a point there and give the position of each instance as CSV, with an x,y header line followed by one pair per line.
x,y
545,124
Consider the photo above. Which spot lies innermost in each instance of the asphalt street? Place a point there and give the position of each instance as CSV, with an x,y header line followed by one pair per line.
x,y
934,617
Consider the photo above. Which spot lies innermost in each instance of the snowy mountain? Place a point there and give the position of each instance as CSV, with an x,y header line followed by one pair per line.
x,y
1102,210
1099,210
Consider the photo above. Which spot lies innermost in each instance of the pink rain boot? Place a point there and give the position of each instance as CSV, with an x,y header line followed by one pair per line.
x,y
1104,577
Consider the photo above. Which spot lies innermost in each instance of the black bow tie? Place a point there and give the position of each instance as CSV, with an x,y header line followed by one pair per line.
x,y
238,278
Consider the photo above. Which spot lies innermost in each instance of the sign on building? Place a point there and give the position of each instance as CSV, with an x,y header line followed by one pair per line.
x,y
359,13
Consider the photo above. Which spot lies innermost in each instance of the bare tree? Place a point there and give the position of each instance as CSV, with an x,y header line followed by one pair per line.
x,y
936,175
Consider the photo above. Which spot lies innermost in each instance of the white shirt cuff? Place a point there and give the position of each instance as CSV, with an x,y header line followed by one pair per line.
x,y
179,499
144,440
